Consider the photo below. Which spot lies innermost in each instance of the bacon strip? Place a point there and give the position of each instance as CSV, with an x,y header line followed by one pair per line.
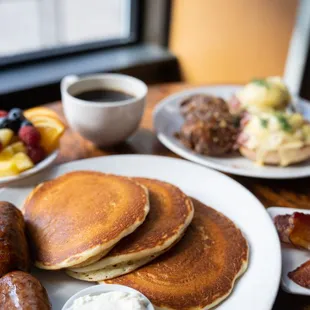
x,y
301,275
294,229
283,227
300,235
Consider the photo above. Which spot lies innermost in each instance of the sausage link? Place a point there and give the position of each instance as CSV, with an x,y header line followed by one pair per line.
x,y
21,291
14,251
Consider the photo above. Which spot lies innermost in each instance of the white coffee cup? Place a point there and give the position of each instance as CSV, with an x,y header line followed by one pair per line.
x,y
104,123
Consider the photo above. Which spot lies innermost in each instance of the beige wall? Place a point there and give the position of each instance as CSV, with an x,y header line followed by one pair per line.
x,y
231,41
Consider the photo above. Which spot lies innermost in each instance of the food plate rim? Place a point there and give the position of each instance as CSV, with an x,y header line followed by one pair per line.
x,y
138,158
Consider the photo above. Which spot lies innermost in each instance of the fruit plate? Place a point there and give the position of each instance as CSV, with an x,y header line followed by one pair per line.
x,y
291,256
255,290
38,167
167,121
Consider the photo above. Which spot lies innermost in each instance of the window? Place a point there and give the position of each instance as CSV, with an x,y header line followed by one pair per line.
x,y
32,29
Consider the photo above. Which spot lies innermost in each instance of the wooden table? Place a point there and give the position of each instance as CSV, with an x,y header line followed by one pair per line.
x,y
290,193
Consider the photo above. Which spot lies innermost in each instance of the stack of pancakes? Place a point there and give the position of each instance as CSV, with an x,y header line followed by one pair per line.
x,y
138,232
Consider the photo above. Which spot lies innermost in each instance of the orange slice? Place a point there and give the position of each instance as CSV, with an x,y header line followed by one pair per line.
x,y
49,125
50,138
39,111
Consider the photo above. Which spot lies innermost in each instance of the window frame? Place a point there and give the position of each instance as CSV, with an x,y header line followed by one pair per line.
x,y
35,56
29,83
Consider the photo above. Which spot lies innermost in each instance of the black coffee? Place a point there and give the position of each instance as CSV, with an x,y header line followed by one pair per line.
x,y
104,95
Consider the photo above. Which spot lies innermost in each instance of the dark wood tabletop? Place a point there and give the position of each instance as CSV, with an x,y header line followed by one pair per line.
x,y
284,193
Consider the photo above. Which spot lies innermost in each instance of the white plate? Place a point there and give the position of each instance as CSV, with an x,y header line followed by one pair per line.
x,y
291,257
167,121
40,166
257,288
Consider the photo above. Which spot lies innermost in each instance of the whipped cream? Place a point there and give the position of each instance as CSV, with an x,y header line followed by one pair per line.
x,y
110,301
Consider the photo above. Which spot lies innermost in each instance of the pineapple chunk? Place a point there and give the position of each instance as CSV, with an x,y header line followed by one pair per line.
x,y
8,168
6,136
18,147
6,154
9,151
22,161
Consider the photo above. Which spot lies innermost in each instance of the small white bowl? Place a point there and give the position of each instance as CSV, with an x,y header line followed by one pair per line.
x,y
103,123
104,288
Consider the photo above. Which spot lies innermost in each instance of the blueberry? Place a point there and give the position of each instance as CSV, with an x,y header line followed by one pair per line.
x,y
25,122
15,118
16,115
4,122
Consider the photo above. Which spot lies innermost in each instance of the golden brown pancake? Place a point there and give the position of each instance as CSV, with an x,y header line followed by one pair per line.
x,y
80,215
171,211
200,270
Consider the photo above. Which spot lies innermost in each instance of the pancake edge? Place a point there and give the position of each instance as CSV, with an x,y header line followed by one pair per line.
x,y
119,270
137,256
110,273
80,258
242,270
94,258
